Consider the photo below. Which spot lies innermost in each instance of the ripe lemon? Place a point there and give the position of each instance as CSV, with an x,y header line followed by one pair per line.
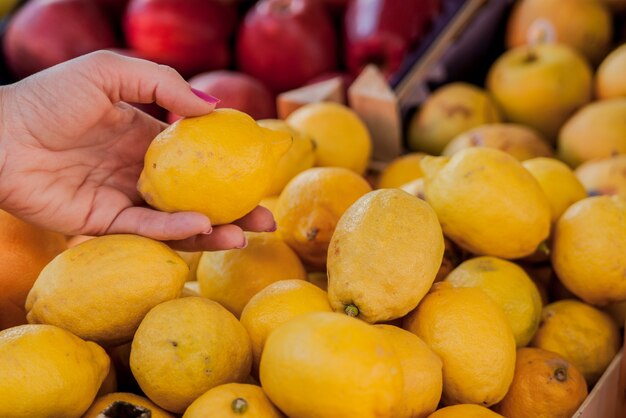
x,y
277,304
509,286
609,81
384,278
192,260
465,411
401,171
233,400
221,164
604,176
588,249
470,334
421,369
185,347
341,138
47,372
582,334
487,202
310,206
269,203
328,365
101,289
544,385
117,404
232,277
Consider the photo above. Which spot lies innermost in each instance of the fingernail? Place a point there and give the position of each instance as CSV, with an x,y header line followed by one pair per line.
x,y
244,244
208,231
273,228
206,97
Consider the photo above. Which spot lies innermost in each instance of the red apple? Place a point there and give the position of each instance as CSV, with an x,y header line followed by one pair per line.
x,y
191,35
382,32
47,32
285,43
235,90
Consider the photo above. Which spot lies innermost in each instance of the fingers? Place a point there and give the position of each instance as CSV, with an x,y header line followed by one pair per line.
x,y
259,220
223,237
141,81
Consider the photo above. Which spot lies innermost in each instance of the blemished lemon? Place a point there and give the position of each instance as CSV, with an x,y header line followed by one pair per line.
x,y
328,365
233,400
221,164
604,176
101,289
487,202
465,411
47,372
276,304
509,286
401,171
310,206
384,278
470,333
117,404
421,369
233,277
185,347
582,334
588,249
558,182
341,137
299,157
544,385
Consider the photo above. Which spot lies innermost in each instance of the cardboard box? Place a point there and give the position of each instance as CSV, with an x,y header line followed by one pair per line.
x,y
606,400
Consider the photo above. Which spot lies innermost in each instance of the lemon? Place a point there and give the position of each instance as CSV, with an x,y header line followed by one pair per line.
x,y
471,335
589,247
545,385
46,372
192,259
401,171
465,411
325,364
233,400
221,164
309,208
384,278
421,369
558,182
582,334
101,289
115,405
232,277
269,203
299,157
341,138
509,286
277,304
604,176
520,141
185,347
609,82
487,202
415,187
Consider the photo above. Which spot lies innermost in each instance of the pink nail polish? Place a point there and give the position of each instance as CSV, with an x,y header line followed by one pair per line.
x,y
244,244
206,97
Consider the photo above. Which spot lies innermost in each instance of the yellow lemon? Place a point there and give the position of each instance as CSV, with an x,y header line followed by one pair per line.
x,y
448,112
192,260
328,365
509,286
341,138
277,304
465,411
487,202
309,208
299,157
544,385
604,176
470,333
233,400
558,182
415,187
588,249
520,141
119,404
384,278
46,372
185,347
582,334
401,171
101,289
269,203
610,81
421,369
232,277
221,164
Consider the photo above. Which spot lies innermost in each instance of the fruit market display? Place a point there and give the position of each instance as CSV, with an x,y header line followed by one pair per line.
x,y
479,274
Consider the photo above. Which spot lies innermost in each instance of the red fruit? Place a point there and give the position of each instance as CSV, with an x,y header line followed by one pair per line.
x,y
47,32
191,35
237,91
285,43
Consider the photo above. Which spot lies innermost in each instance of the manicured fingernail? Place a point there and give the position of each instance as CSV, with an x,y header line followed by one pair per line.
x,y
206,97
208,231
273,228
244,244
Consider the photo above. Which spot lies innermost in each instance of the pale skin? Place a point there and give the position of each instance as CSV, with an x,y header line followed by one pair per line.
x,y
71,151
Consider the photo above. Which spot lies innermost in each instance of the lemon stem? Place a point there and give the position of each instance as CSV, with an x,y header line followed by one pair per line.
x,y
351,310
543,248
239,406
560,374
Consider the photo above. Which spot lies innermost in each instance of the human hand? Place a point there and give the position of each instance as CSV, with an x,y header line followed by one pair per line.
x,y
71,151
